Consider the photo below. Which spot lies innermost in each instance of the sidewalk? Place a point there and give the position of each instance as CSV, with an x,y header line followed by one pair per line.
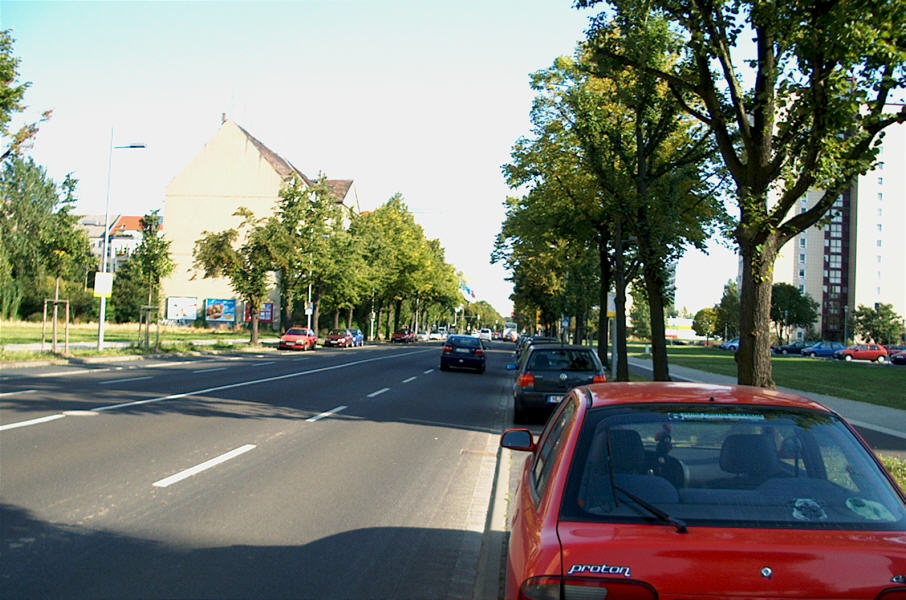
x,y
889,421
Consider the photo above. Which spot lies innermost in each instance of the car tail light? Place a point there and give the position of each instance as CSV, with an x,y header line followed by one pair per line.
x,y
599,379
448,349
578,588
479,353
526,380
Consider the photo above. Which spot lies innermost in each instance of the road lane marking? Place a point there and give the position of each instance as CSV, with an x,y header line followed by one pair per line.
x,y
31,422
203,466
109,381
324,415
18,392
428,371
410,380
253,382
210,370
261,364
378,392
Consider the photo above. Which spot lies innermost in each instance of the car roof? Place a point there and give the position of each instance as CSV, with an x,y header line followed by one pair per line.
x,y
614,394
558,346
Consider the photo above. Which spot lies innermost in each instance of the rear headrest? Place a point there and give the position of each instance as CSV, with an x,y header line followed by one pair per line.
x,y
626,451
751,454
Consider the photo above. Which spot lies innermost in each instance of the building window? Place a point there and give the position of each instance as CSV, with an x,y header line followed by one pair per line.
x,y
802,242
880,181
835,261
879,259
880,228
880,212
880,196
879,243
801,258
802,273
801,289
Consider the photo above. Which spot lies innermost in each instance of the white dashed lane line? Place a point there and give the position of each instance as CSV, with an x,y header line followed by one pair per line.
x,y
429,371
110,381
203,466
378,392
17,392
324,415
410,380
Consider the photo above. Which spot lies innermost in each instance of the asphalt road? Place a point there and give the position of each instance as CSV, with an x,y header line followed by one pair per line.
x,y
331,474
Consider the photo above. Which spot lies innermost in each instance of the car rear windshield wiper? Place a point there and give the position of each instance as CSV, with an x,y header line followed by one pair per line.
x,y
657,512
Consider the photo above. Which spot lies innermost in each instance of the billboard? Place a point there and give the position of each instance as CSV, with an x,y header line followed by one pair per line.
x,y
182,309
220,310
265,315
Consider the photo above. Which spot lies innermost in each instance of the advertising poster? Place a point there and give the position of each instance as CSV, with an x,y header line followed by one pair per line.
x,y
182,309
219,310
265,315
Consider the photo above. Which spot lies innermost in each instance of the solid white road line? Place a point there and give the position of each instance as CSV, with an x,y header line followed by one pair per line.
x,y
210,370
31,422
19,392
203,466
109,381
261,364
378,392
410,380
324,415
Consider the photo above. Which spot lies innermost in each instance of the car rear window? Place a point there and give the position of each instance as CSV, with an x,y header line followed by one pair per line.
x,y
728,467
562,360
465,341
295,332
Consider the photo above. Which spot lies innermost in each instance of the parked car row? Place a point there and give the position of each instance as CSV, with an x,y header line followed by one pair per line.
x,y
634,490
303,338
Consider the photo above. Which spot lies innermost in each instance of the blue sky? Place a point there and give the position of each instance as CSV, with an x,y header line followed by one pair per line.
x,y
422,98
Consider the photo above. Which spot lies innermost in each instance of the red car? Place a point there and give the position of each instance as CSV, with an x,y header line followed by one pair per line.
x,y
669,491
298,338
341,338
874,352
403,336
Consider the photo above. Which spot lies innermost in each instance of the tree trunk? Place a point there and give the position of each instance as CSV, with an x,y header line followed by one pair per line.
x,y
253,314
754,356
654,286
620,286
289,303
397,311
604,290
316,313
336,318
349,319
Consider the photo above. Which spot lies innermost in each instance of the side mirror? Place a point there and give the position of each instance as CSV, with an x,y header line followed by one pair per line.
x,y
518,439
511,366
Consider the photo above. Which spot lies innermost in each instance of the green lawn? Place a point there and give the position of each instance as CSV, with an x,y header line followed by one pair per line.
x,y
172,338
878,384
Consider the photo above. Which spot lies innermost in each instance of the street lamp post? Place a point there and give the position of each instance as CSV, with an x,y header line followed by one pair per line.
x,y
102,312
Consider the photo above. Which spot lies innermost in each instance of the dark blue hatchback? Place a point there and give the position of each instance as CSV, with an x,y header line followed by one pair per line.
x,y
462,352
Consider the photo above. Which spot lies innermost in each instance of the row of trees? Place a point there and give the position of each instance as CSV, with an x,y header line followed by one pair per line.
x,y
650,129
371,265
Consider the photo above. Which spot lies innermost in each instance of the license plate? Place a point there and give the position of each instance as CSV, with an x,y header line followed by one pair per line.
x,y
554,399
463,350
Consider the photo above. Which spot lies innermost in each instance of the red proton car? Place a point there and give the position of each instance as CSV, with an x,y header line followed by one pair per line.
x,y
669,491
298,338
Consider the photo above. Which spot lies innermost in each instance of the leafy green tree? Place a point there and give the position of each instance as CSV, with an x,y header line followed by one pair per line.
x,y
39,237
824,77
728,312
879,324
791,308
705,323
246,266
12,94
138,281
640,313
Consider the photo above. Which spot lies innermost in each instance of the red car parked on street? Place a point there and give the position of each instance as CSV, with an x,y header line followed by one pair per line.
x,y
874,352
692,491
403,336
341,338
298,338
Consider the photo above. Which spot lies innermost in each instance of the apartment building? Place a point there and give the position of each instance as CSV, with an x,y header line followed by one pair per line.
x,y
858,256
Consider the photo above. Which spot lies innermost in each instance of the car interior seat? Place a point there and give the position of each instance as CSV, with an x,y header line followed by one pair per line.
x,y
751,458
